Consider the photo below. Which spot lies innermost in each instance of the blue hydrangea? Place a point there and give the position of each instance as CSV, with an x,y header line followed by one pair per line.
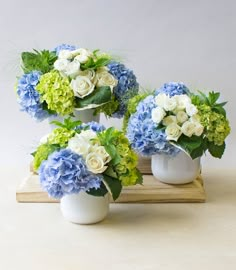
x,y
65,172
172,89
126,88
94,126
143,134
28,96
64,47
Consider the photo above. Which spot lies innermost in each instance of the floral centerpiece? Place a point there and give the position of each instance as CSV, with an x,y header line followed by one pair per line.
x,y
69,78
173,120
79,157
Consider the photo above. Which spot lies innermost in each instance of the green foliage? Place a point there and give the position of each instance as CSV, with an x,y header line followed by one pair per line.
x,y
100,192
216,150
216,126
108,139
42,153
38,60
113,185
123,159
67,124
131,108
100,95
95,61
195,146
140,177
108,108
210,100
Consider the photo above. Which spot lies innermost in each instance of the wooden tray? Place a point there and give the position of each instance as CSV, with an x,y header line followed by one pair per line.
x,y
152,191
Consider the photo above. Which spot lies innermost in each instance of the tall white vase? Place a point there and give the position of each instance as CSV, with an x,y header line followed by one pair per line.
x,y
180,169
83,208
85,116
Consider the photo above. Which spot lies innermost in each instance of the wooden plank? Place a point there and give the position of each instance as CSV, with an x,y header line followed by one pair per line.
x,y
152,191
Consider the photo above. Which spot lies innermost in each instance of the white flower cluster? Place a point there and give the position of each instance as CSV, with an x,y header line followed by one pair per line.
x,y
95,155
178,115
83,82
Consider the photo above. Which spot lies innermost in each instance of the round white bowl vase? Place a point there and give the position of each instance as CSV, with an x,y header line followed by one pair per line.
x,y
180,169
84,116
83,208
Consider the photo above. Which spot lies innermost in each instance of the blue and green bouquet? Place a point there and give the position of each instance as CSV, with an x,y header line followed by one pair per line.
x,y
68,78
85,157
173,119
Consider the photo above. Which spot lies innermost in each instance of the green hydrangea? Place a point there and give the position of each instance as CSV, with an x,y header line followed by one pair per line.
x,y
131,108
124,159
42,153
60,136
129,178
216,125
108,108
56,92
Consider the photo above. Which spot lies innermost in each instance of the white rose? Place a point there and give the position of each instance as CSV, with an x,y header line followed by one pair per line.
x,y
191,109
88,135
72,69
79,145
170,103
89,73
95,163
198,130
188,128
102,69
181,117
160,100
82,86
173,132
65,54
168,120
101,151
182,101
158,114
61,64
195,118
105,79
82,55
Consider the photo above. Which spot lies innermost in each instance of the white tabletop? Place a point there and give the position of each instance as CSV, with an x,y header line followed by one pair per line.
x,y
134,236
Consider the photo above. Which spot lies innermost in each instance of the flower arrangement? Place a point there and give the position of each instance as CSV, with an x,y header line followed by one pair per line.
x,y
173,119
68,78
85,157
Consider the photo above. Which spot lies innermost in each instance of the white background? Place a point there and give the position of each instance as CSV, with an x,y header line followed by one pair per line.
x,y
189,41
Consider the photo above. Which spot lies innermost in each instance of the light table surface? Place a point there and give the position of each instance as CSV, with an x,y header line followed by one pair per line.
x,y
134,236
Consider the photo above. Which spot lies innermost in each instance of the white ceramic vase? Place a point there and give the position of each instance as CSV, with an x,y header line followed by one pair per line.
x,y
83,208
85,116
180,169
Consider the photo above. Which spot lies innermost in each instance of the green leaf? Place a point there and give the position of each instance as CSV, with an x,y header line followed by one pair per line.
x,y
100,192
68,123
213,97
219,109
57,123
204,97
140,177
99,96
110,172
216,151
108,108
96,61
113,185
38,60
194,145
